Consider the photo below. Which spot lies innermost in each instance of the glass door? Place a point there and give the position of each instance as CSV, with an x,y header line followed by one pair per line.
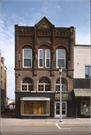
x,y
57,109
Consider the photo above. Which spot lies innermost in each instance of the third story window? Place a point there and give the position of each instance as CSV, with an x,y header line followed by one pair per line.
x,y
60,58
44,55
27,58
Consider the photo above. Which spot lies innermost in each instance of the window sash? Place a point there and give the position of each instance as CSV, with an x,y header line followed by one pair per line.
x,y
47,58
45,86
27,87
26,58
40,58
61,59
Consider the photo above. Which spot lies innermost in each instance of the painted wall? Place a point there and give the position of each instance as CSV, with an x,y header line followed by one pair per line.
x,y
81,59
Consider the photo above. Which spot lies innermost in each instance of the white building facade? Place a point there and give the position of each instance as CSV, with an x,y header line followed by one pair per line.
x,y
82,80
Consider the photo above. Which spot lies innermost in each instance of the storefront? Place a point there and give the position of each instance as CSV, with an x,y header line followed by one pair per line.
x,y
35,106
83,105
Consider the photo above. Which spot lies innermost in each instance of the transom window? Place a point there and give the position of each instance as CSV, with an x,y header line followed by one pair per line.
x,y
88,71
44,84
27,58
27,85
44,55
60,58
63,84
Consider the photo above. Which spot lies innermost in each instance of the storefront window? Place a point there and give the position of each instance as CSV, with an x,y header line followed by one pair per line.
x,y
35,107
85,107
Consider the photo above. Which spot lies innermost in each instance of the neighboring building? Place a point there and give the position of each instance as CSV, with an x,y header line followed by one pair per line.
x,y
3,79
39,51
82,79
10,101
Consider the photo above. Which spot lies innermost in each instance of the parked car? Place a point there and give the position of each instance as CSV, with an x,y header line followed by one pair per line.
x,y
4,108
12,103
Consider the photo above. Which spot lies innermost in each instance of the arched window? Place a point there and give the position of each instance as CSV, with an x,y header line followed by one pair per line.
x,y
27,84
63,84
44,84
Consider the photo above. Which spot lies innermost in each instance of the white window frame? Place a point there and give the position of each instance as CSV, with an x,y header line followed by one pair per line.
x,y
27,84
58,115
60,58
47,58
42,58
27,58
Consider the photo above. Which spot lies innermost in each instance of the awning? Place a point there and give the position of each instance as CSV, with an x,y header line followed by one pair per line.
x,y
35,99
82,92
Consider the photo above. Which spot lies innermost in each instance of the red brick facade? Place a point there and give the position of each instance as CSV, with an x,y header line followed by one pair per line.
x,y
43,35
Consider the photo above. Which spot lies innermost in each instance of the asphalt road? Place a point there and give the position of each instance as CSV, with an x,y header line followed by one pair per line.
x,y
13,126
44,130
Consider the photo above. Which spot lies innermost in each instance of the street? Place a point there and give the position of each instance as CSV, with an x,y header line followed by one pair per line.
x,y
70,126
44,130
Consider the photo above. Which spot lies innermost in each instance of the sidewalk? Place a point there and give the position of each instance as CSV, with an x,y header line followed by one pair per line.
x,y
66,121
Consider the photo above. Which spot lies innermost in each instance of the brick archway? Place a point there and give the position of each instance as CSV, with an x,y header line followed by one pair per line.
x,y
43,43
25,45
62,45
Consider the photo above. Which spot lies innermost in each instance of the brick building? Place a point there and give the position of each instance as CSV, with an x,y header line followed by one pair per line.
x,y
39,51
3,81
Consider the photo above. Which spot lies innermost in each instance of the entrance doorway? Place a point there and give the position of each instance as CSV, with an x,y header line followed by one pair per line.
x,y
57,109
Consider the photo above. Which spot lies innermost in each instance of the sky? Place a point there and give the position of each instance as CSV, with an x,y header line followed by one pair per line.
x,y
61,13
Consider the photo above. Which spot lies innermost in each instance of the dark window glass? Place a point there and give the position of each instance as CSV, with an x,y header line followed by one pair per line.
x,y
47,63
57,111
63,105
41,62
27,62
88,72
47,87
61,62
30,87
63,112
64,88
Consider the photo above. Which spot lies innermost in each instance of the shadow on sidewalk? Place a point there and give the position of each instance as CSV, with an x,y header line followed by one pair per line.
x,y
10,113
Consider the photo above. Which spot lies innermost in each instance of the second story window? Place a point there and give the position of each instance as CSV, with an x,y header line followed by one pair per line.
x,y
63,84
27,58
60,58
27,84
44,84
44,58
88,72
